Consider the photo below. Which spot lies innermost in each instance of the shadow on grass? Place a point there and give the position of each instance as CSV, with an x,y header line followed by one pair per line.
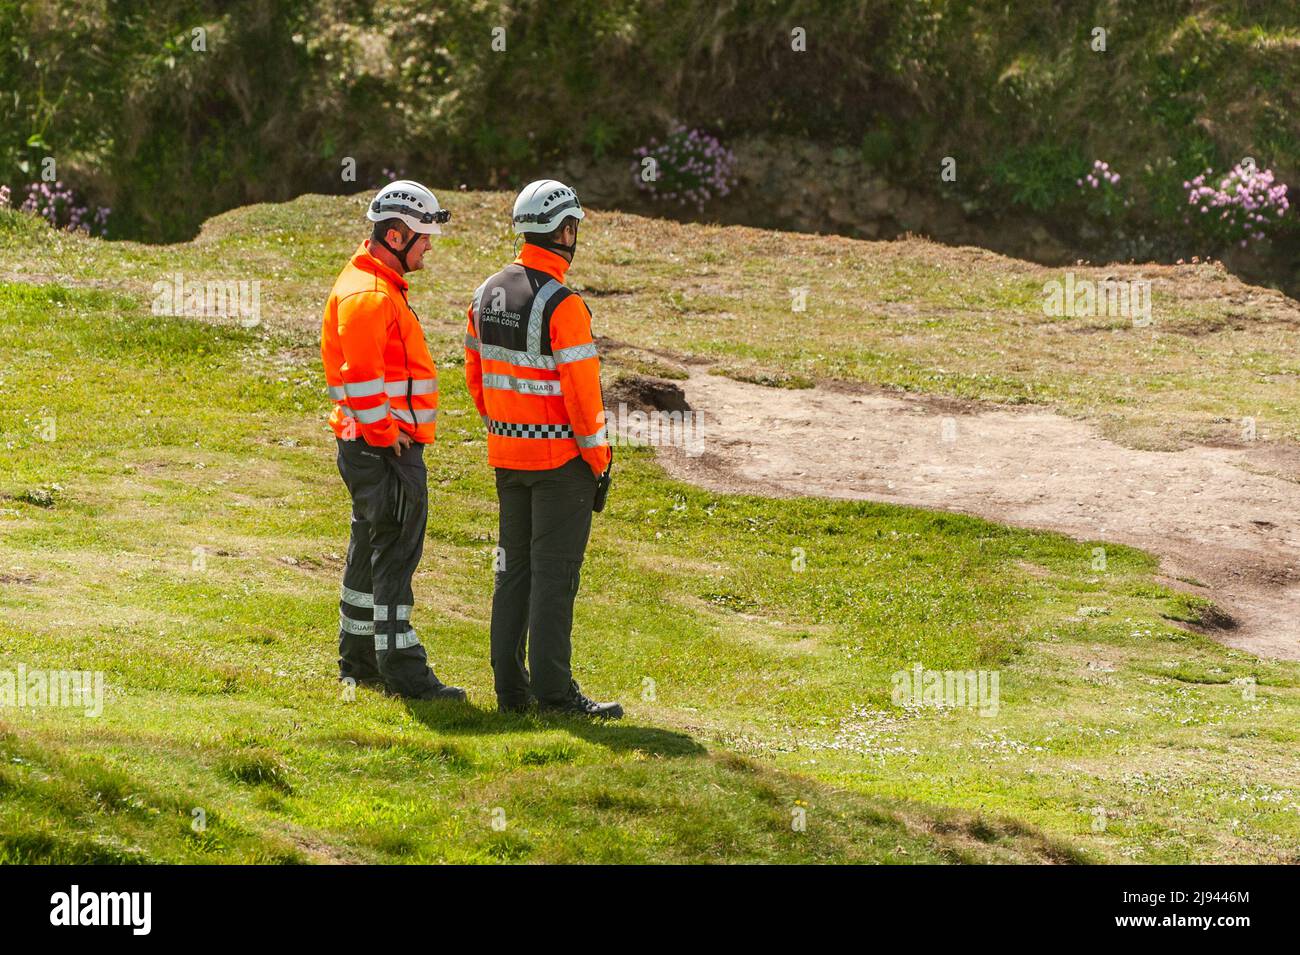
x,y
464,719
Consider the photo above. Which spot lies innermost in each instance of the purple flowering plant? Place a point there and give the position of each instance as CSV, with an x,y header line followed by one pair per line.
x,y
1101,191
58,205
1242,208
690,167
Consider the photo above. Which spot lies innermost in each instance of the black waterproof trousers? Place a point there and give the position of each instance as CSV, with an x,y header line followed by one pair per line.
x,y
390,506
545,523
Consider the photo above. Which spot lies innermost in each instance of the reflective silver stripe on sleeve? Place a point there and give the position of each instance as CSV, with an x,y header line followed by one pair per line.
x,y
524,386
521,358
381,612
471,342
575,353
359,628
403,612
597,440
422,415
363,389
420,386
356,598
535,316
336,392
367,415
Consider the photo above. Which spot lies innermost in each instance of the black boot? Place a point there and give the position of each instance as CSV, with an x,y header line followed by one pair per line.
x,y
441,691
578,705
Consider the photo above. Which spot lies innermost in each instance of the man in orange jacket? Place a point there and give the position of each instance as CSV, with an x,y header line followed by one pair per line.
x,y
385,389
533,373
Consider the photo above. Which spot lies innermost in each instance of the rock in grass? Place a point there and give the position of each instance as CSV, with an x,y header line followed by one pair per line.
x,y
40,496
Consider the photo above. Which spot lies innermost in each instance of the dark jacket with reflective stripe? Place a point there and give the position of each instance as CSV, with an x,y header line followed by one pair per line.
x,y
532,369
378,368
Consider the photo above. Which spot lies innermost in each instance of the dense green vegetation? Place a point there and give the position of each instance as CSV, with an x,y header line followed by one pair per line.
x,y
284,92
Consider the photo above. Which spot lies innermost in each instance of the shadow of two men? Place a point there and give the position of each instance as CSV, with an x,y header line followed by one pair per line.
x,y
465,719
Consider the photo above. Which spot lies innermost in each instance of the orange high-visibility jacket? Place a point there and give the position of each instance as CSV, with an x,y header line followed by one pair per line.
x,y
377,367
532,368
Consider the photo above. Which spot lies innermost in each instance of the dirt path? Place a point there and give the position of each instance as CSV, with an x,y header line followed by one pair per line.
x,y
1225,521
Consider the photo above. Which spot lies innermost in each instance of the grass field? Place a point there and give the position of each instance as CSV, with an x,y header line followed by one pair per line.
x,y
909,315
172,517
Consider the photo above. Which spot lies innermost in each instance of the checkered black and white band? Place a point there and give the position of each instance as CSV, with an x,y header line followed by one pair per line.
x,y
507,430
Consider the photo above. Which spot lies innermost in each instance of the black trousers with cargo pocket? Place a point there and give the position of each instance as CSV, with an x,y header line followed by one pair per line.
x,y
390,507
544,525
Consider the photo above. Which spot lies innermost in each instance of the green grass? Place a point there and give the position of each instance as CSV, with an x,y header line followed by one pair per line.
x,y
909,315
183,532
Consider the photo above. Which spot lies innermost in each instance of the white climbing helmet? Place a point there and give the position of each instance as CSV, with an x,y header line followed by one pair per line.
x,y
544,204
412,203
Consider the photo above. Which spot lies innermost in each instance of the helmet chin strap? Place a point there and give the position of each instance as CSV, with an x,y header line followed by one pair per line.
x,y
546,243
400,254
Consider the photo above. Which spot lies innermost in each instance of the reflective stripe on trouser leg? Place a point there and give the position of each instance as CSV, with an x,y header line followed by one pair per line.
x,y
357,659
397,539
392,550
402,637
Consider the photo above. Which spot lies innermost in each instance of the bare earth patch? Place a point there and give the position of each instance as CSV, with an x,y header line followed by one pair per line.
x,y
1225,521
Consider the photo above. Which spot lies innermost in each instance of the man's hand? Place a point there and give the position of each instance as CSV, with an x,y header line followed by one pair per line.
x,y
403,442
